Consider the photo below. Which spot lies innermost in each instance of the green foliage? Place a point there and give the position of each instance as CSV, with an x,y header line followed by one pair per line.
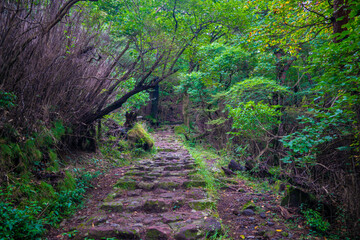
x,y
7,100
314,220
253,120
319,128
35,152
40,206
180,129
254,89
68,183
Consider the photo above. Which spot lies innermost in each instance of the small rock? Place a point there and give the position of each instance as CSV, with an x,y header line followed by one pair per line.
x,y
236,212
251,218
158,233
270,223
112,206
234,166
269,234
248,212
154,206
146,185
263,215
189,232
212,226
63,223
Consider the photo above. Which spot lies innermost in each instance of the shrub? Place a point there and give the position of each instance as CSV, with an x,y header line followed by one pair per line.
x,y
26,210
314,220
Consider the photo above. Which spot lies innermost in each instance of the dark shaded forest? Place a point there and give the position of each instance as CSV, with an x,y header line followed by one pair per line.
x,y
274,85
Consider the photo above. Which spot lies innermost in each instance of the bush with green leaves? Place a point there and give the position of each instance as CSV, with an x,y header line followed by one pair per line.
x,y
35,152
318,127
7,100
314,220
253,120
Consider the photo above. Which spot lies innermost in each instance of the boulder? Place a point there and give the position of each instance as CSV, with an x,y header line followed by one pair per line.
x,y
158,233
234,166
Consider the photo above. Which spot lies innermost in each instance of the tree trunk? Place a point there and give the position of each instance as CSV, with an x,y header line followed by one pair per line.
x,y
185,109
341,17
155,102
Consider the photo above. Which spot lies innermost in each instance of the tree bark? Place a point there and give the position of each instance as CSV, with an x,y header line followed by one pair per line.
x,y
341,17
155,102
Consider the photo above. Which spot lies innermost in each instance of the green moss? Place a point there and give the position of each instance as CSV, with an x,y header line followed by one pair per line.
x,y
128,184
53,161
69,182
138,137
169,185
181,129
112,206
249,204
45,191
123,145
146,185
202,204
194,183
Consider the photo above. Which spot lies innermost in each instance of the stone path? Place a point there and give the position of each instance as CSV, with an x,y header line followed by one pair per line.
x,y
159,198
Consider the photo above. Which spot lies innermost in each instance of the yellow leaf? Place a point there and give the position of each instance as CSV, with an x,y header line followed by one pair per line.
x,y
278,230
242,236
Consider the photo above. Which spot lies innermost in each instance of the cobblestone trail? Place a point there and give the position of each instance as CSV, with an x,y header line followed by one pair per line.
x,y
158,198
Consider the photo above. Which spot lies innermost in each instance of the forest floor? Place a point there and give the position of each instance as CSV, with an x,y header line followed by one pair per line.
x,y
165,197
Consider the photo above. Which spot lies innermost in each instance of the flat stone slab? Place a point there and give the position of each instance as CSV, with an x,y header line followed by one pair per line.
x,y
194,183
155,206
112,206
111,232
169,185
201,204
158,233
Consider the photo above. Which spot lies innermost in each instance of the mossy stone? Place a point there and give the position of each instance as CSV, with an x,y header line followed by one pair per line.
x,y
190,232
112,206
138,137
154,205
269,234
128,184
194,183
248,205
201,204
146,185
134,173
296,197
157,233
169,185
174,168
196,177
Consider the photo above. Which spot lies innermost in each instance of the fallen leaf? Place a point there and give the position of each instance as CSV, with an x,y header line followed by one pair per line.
x,y
242,236
278,230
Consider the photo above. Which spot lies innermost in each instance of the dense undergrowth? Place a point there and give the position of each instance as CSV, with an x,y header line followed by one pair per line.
x,y
29,208
210,161
43,188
